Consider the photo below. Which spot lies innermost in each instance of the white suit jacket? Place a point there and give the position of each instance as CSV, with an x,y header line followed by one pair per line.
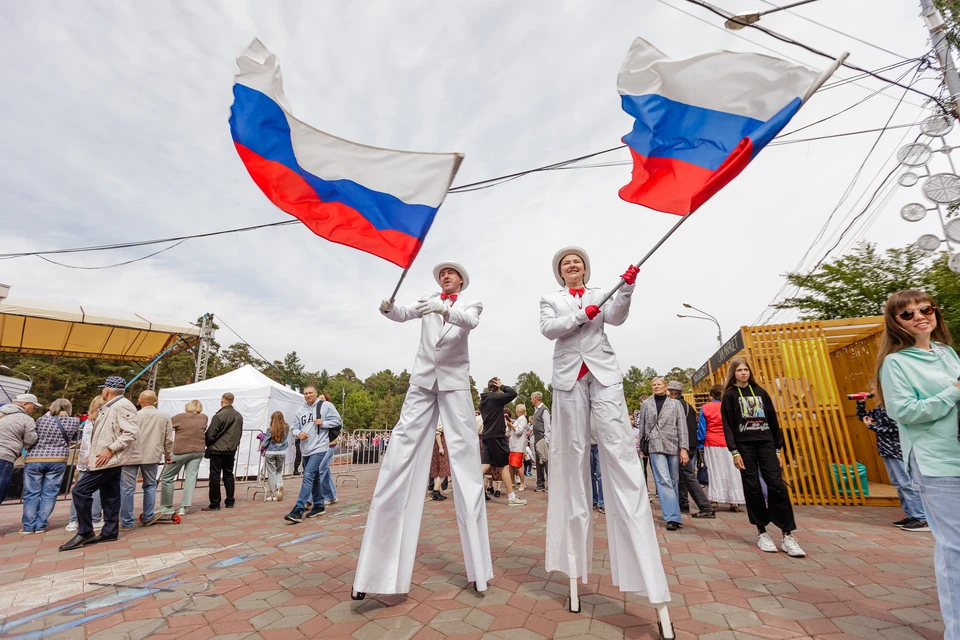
x,y
443,357
579,339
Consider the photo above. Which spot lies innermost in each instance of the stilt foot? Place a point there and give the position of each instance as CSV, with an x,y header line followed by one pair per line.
x,y
357,595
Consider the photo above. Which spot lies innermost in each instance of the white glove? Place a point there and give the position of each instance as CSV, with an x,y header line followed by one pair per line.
x,y
433,305
386,307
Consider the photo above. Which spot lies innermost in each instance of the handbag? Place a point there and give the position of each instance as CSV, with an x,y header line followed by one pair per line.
x,y
703,476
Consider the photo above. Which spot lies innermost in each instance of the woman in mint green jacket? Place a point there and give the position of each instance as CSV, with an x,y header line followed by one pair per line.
x,y
918,372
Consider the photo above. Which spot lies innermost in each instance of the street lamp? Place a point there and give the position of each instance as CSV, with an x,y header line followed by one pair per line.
x,y
708,317
742,20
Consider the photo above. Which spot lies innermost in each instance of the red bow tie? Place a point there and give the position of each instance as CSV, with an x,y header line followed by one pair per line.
x,y
578,292
451,296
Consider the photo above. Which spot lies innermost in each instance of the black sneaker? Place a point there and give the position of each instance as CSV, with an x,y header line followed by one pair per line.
x,y
486,497
318,510
673,526
601,510
916,525
295,516
490,490
900,523
684,509
444,484
706,515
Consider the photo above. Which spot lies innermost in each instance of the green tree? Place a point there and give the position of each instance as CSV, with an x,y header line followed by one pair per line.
x,y
649,374
294,371
358,412
529,382
944,285
856,284
636,385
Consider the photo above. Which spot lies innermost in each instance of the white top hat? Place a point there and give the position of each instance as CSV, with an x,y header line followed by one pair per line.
x,y
456,267
559,255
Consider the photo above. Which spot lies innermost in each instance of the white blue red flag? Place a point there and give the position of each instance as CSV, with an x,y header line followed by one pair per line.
x,y
380,201
700,121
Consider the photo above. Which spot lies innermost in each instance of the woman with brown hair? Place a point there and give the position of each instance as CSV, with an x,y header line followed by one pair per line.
x,y
754,438
918,372
275,455
439,464
188,445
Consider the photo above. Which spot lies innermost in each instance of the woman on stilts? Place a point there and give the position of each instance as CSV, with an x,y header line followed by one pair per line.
x,y
587,381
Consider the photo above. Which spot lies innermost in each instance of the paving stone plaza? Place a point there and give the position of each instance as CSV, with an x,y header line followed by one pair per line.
x,y
244,573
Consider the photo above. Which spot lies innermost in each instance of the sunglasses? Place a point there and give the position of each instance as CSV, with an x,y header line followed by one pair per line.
x,y
908,314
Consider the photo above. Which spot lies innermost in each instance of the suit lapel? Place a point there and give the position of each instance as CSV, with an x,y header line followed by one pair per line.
x,y
446,326
569,299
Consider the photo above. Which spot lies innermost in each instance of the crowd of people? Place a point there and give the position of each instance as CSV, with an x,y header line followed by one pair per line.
x,y
734,446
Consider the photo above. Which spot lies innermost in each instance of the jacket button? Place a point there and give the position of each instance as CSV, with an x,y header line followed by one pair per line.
x,y
438,366
438,348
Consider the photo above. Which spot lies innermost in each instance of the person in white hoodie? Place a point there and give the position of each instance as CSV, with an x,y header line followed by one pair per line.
x,y
312,427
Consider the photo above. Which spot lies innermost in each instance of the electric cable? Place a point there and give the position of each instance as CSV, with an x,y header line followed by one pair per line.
x,y
111,266
828,28
221,321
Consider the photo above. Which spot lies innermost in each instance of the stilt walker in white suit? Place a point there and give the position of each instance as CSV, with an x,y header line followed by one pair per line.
x,y
587,381
439,388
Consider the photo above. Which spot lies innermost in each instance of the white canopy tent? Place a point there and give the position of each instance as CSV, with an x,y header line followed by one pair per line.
x,y
256,397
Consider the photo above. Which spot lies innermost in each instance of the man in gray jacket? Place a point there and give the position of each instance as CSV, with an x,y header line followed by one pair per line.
x,y
18,431
152,447
688,485
114,431
661,420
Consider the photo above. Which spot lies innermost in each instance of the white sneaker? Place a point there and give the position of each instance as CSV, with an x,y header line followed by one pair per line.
x,y
73,526
98,525
791,547
182,511
766,543
516,502
269,499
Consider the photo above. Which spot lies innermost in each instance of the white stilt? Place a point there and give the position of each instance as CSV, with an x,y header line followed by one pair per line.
x,y
666,627
574,598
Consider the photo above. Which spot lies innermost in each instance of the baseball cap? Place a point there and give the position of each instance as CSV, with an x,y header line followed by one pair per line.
x,y
28,397
114,382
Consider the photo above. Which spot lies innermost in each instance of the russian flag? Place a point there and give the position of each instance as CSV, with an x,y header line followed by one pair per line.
x,y
700,121
380,201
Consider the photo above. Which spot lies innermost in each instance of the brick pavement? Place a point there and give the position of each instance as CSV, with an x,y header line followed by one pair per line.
x,y
245,573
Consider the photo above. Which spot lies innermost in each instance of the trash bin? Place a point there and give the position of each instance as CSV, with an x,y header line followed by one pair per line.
x,y
840,475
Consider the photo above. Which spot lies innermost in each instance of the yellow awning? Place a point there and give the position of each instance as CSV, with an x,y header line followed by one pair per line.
x,y
41,328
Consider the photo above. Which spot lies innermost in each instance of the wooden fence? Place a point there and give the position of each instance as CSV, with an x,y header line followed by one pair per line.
x,y
808,368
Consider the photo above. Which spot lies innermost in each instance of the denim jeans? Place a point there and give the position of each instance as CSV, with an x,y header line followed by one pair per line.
x,y
6,473
97,511
596,480
128,487
328,489
310,490
41,484
940,495
666,474
909,495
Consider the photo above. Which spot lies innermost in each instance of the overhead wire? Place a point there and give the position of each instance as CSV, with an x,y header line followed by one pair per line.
x,y
220,320
726,15
843,198
838,31
118,264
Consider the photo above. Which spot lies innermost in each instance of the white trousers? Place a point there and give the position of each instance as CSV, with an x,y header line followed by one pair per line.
x,y
389,548
634,551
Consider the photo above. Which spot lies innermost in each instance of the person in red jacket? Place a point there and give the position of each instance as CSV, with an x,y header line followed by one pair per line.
x,y
725,484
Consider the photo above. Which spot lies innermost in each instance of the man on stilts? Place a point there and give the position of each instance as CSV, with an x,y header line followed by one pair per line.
x,y
587,382
439,389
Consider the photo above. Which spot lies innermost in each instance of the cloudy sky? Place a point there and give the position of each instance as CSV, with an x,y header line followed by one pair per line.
x,y
116,130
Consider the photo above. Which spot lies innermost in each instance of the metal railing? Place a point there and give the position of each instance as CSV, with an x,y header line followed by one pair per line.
x,y
359,450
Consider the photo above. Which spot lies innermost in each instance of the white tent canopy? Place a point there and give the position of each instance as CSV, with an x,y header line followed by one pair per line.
x,y
256,397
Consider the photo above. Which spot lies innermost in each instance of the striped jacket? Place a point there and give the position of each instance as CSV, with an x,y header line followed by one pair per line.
x,y
668,432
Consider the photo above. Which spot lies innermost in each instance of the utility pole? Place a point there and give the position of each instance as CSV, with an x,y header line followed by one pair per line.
x,y
203,352
938,37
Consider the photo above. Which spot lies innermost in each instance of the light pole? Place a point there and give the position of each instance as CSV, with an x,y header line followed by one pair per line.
x,y
742,20
708,317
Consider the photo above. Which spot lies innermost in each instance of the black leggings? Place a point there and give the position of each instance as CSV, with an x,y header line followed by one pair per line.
x,y
760,458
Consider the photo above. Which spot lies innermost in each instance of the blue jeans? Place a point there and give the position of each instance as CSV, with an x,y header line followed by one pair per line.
x,y
666,473
310,490
910,499
940,495
97,512
6,473
41,484
596,480
128,487
328,489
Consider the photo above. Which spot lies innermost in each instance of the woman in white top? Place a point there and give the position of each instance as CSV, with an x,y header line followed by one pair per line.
x,y
518,444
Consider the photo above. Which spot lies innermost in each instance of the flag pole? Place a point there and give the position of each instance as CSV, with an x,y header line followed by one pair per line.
x,y
393,296
822,78
646,257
